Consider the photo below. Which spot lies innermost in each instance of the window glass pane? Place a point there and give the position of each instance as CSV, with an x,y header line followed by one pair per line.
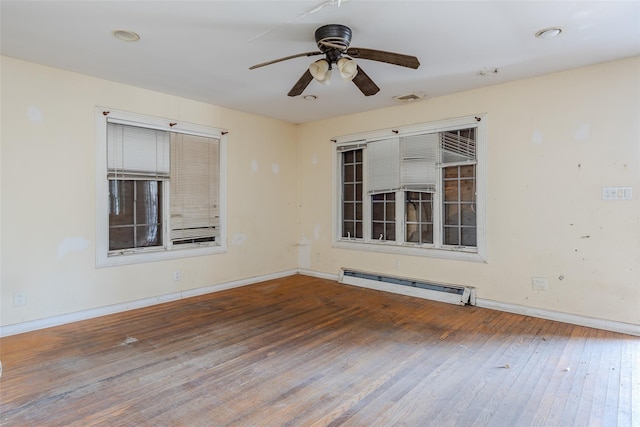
x,y
418,217
469,236
359,172
467,190
348,156
451,214
450,172
147,202
451,236
390,229
468,171
121,238
451,190
427,234
348,229
390,208
468,214
121,200
349,211
377,230
377,210
148,235
349,192
349,173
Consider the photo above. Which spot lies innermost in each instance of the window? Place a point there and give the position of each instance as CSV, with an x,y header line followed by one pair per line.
x,y
160,187
416,190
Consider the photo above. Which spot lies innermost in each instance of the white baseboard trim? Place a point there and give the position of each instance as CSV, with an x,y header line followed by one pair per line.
x,y
319,274
33,325
574,319
48,322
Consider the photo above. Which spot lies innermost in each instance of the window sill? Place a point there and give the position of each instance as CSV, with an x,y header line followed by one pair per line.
x,y
112,260
462,254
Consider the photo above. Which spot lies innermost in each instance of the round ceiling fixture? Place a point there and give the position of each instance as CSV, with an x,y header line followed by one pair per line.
x,y
549,33
126,36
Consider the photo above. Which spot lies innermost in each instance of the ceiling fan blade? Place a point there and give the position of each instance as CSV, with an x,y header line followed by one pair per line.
x,y
317,52
382,56
301,84
364,83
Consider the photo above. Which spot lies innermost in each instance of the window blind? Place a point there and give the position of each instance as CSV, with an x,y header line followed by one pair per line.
x,y
419,154
195,173
408,162
383,166
458,146
137,152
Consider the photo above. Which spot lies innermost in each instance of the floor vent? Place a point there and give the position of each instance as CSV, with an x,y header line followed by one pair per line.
x,y
460,295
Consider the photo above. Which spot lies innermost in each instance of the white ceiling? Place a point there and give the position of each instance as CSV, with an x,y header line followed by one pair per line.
x,y
202,50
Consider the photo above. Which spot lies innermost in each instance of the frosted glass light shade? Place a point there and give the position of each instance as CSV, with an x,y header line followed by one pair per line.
x,y
320,71
348,68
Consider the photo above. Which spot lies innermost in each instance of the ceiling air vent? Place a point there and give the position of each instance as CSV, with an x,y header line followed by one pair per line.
x,y
410,97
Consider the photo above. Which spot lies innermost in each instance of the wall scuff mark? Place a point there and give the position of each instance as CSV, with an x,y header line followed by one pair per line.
x,y
72,244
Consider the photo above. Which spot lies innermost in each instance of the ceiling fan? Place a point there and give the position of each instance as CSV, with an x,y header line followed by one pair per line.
x,y
333,41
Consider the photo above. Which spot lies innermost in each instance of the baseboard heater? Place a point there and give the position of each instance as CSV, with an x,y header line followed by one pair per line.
x,y
459,295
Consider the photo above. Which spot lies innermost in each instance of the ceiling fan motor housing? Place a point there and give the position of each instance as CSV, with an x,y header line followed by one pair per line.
x,y
332,35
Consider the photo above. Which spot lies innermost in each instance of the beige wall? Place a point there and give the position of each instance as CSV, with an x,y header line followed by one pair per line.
x,y
553,143
48,195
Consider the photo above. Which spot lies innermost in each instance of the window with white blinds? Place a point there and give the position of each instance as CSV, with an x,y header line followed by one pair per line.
x,y
195,170
419,155
161,192
383,165
137,152
407,162
424,187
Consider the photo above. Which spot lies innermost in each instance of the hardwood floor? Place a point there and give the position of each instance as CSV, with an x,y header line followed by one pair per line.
x,y
302,351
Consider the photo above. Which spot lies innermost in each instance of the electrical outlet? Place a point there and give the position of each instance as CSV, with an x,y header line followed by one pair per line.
x,y
177,276
19,299
539,284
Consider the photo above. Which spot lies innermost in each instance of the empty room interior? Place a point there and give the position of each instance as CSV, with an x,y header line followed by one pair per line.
x,y
250,213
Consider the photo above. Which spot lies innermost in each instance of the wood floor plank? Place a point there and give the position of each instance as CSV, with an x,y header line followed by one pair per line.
x,y
307,351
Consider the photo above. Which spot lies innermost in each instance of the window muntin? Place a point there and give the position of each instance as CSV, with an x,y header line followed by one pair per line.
x,y
165,189
423,185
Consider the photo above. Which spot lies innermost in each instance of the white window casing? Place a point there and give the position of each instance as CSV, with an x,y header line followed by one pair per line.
x,y
198,205
412,158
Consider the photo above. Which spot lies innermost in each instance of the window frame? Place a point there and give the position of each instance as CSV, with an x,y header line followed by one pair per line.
x,y
107,258
437,249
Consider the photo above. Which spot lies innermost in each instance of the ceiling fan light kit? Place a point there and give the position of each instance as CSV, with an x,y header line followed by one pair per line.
x,y
348,68
321,71
334,41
